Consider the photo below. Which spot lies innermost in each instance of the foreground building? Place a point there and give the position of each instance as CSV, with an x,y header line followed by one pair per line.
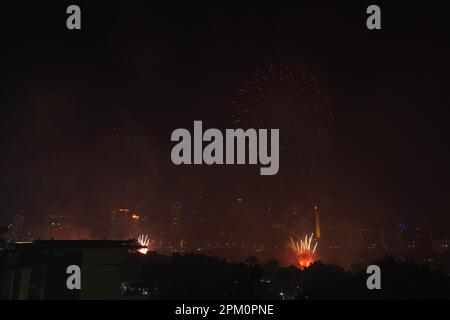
x,y
37,269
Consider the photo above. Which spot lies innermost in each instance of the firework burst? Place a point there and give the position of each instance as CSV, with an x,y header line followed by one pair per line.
x,y
303,252
279,96
292,99
144,242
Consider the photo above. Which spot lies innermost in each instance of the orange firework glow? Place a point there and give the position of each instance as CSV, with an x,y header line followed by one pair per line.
x,y
144,242
303,252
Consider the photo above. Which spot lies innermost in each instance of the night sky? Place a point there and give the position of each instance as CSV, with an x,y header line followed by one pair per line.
x,y
87,115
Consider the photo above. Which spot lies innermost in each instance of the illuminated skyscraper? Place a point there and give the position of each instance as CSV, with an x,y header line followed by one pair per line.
x,y
317,216
56,225
17,232
125,224
176,214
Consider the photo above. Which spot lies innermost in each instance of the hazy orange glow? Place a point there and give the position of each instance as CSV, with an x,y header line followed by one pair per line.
x,y
305,260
